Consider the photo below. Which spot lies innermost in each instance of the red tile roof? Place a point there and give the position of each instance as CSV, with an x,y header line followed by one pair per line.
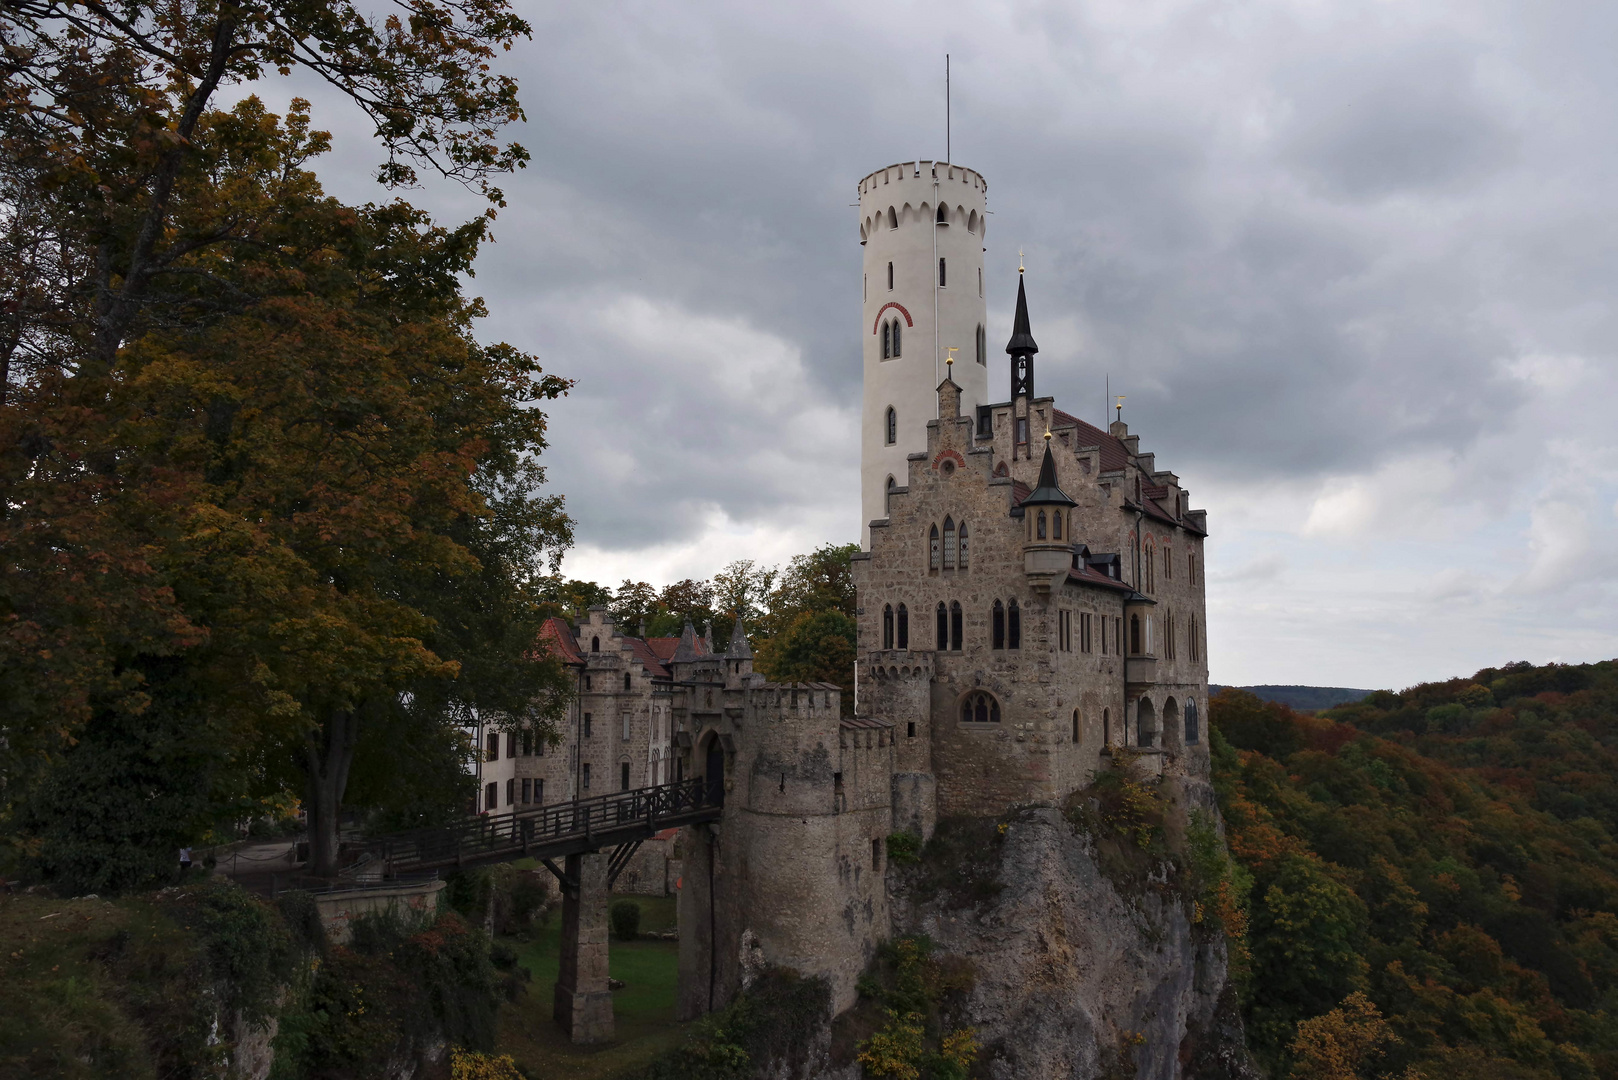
x,y
1019,492
1091,576
1113,454
663,647
648,657
559,636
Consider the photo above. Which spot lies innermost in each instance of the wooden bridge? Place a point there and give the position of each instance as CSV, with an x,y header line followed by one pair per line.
x,y
620,821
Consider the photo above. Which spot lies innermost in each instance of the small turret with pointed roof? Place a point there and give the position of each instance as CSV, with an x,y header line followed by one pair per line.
x,y
686,651
739,649
1046,493
1022,347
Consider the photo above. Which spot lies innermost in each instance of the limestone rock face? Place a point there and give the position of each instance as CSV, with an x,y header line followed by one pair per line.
x,y
1074,978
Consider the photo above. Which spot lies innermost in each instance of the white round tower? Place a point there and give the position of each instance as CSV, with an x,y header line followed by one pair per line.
x,y
922,225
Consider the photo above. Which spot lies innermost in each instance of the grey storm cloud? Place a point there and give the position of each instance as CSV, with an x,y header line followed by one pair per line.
x,y
1329,252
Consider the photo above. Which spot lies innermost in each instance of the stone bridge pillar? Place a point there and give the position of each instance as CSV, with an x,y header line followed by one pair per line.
x,y
583,1004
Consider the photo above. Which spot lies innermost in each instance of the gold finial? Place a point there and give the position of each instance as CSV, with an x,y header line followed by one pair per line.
x,y
1019,260
1047,430
950,359
1120,406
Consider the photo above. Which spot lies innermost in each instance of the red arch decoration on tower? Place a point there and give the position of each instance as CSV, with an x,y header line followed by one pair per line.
x,y
883,310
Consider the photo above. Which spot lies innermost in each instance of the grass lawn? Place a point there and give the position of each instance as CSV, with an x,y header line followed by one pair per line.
x,y
643,1011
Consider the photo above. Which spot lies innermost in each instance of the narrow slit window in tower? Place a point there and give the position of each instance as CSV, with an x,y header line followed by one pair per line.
x,y
893,426
998,632
890,277
941,279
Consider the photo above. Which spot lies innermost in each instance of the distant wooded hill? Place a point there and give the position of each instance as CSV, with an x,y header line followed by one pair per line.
x,y
1302,698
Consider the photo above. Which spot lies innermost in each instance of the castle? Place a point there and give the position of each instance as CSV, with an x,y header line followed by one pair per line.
x,y
1030,600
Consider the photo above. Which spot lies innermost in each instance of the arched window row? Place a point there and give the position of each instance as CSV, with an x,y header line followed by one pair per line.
x,y
892,338
943,215
895,627
980,707
1005,625
949,549
1044,525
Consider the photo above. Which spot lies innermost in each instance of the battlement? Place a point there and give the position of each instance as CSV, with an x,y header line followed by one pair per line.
x,y
923,170
791,701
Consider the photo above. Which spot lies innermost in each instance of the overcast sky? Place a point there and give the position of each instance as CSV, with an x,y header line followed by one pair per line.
x,y
1352,263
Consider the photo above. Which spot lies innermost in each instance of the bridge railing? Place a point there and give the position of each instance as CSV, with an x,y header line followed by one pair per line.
x,y
524,830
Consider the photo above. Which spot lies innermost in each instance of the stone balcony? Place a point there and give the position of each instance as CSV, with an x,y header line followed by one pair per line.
x,y
1140,671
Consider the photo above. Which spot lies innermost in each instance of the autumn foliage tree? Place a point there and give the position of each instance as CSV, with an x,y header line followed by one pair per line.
x,y
265,494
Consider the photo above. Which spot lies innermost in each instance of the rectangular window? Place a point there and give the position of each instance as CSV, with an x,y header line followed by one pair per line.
x,y
1168,564
527,791
1103,620
511,792
586,725
492,753
1064,631
623,777
586,776
491,797
626,727
539,792
511,744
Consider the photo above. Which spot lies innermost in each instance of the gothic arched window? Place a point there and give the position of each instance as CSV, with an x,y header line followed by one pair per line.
x,y
961,562
949,543
942,638
1013,626
892,426
893,223
887,340
888,503
980,708
896,325
997,637
943,214
904,627
595,644
1134,634
887,626
1192,734
1039,529
955,626
1056,525
934,556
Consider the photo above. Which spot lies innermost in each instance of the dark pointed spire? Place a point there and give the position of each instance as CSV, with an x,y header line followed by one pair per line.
x,y
1021,347
1022,338
1046,492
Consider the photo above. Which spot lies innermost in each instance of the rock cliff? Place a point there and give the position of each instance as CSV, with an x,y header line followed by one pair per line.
x,y
1077,972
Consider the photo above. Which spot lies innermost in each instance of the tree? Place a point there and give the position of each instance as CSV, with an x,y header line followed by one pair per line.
x,y
330,495
104,102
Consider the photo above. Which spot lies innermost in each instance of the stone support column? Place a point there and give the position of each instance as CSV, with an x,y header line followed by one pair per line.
x,y
583,1004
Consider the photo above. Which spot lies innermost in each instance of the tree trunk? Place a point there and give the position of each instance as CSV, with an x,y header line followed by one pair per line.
x,y
328,753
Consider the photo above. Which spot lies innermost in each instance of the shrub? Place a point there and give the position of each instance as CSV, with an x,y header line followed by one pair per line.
x,y
904,848
775,1020
625,917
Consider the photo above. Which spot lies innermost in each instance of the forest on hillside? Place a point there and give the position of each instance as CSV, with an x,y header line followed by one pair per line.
x,y
1434,878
